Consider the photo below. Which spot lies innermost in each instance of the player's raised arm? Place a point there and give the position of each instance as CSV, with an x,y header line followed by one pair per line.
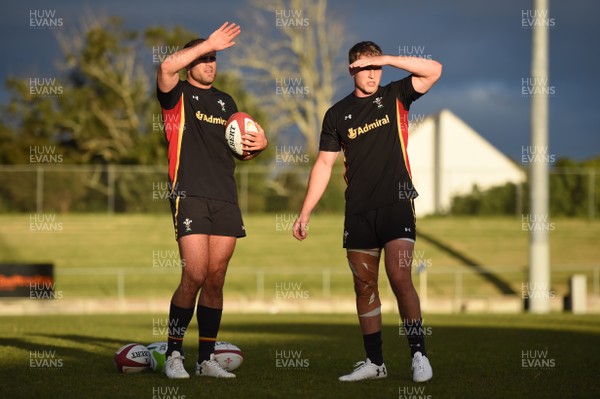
x,y
317,183
220,39
425,72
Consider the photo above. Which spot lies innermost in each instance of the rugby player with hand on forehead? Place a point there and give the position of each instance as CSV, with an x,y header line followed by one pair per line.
x,y
371,126
203,193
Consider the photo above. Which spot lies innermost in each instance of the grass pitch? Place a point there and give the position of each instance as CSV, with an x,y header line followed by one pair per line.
x,y
473,356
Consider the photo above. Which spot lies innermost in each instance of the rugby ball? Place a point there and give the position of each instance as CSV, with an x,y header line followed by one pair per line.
x,y
158,355
132,358
229,356
236,128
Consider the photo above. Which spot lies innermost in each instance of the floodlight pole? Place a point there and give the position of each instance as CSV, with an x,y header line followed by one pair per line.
x,y
539,249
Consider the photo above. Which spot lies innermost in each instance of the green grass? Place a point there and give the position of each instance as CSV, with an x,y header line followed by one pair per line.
x,y
473,356
102,244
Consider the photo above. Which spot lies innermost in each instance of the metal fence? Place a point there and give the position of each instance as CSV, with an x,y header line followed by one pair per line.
x,y
293,283
138,188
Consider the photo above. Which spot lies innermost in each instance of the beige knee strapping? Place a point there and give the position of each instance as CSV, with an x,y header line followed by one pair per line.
x,y
364,264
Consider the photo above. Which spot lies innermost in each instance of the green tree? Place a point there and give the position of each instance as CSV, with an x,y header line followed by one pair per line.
x,y
105,113
570,193
304,47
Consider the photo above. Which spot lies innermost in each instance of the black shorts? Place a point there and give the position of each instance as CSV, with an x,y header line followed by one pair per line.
x,y
373,229
199,215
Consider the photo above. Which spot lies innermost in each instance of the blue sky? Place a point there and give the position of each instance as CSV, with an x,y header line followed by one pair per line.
x,y
482,44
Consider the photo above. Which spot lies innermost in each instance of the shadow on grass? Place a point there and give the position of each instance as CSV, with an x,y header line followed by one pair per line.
x,y
468,362
494,279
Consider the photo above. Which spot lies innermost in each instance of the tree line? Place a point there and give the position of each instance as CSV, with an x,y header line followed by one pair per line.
x,y
574,191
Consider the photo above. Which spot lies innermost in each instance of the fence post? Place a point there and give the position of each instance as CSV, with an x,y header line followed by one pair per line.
x,y
458,283
423,288
244,190
326,283
260,284
519,199
121,285
111,189
39,194
592,194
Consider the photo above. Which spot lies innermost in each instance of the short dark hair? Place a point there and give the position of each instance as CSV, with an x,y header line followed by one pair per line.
x,y
363,48
194,42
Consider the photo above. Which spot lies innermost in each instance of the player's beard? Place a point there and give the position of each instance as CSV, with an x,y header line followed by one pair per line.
x,y
204,78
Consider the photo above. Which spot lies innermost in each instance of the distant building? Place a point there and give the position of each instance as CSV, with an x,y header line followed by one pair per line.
x,y
447,158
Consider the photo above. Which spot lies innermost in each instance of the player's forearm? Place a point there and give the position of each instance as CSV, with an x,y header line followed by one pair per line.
x,y
419,67
317,183
184,57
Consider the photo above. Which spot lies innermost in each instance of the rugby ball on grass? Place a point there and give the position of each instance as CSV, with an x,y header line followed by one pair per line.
x,y
132,358
229,356
158,355
236,128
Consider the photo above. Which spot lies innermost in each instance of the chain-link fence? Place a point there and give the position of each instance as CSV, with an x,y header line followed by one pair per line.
x,y
141,189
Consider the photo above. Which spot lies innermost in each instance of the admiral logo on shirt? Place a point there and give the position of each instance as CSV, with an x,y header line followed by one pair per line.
x,y
211,119
355,132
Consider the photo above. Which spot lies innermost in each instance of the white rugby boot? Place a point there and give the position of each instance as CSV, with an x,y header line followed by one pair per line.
x,y
421,368
212,368
365,371
174,366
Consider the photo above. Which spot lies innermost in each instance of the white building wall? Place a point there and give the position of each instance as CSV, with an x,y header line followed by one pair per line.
x,y
466,159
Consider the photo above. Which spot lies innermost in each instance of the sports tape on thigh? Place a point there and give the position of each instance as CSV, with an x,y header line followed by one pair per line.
x,y
373,252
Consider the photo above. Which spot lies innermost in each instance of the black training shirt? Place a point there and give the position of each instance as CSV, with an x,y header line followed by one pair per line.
x,y
200,161
373,133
